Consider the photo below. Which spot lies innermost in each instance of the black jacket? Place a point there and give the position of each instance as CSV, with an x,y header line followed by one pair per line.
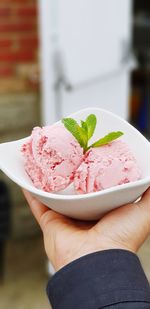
x,y
112,279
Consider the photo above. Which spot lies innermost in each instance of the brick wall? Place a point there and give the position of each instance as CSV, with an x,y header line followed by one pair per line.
x,y
18,46
19,92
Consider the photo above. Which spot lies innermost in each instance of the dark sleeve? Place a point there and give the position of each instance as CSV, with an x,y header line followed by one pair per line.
x,y
111,279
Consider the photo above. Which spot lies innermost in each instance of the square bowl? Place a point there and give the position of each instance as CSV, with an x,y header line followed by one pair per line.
x,y
89,206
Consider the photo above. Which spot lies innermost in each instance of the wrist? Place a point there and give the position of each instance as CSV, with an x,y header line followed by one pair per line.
x,y
103,247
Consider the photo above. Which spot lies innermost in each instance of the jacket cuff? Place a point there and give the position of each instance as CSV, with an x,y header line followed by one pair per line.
x,y
99,279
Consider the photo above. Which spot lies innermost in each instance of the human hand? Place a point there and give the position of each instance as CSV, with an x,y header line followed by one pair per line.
x,y
66,239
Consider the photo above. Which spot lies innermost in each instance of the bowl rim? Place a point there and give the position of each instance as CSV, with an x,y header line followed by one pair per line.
x,y
56,196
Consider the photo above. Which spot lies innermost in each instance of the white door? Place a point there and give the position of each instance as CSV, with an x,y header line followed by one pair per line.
x,y
84,55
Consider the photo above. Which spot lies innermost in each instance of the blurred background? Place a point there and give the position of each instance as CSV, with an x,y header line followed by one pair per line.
x,y
58,56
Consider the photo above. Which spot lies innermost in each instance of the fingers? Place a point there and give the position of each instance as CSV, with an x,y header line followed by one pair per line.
x,y
37,208
144,206
43,214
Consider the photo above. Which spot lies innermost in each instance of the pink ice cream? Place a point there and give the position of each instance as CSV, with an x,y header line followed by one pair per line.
x,y
52,155
105,167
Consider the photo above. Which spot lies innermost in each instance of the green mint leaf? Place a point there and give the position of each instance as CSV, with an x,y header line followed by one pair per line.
x,y
106,139
84,126
91,125
79,133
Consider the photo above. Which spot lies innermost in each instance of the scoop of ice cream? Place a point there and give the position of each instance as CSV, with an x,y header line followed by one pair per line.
x,y
52,155
105,167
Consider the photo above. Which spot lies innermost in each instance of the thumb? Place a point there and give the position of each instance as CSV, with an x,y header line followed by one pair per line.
x,y
140,219
144,211
129,225
145,200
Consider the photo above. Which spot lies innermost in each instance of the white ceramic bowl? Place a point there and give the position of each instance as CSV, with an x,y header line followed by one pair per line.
x,y
93,205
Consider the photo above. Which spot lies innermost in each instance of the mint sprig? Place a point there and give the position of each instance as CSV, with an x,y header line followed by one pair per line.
x,y
84,132
107,139
91,122
84,126
78,132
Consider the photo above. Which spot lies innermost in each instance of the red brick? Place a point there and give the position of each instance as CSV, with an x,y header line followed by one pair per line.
x,y
18,27
5,43
12,85
5,12
20,2
22,56
27,11
6,71
30,42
